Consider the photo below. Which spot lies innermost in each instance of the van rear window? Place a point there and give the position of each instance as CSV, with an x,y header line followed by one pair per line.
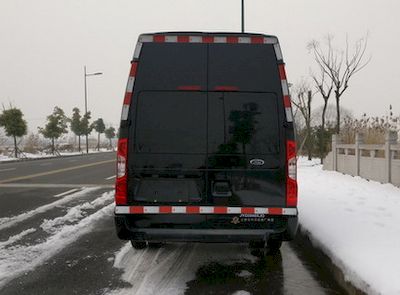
x,y
247,67
171,122
176,122
243,123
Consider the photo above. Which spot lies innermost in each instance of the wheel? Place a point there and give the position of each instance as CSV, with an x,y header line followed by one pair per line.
x,y
139,244
274,245
257,248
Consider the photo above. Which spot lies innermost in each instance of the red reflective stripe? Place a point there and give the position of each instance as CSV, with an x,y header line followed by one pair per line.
x,y
275,211
159,38
133,69
183,39
282,73
231,39
136,209
165,209
220,210
286,101
257,40
189,87
292,201
127,98
192,209
247,210
291,192
208,39
226,88
290,149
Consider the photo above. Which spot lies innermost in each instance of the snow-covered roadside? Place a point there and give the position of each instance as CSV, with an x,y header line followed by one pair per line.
x,y
355,222
29,156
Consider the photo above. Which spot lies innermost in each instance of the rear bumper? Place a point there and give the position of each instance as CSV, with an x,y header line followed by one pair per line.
x,y
129,227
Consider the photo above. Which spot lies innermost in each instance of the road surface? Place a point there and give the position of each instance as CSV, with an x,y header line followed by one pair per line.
x,y
57,237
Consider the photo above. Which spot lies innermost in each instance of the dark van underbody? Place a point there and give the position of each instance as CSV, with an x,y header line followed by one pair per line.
x,y
206,134
218,228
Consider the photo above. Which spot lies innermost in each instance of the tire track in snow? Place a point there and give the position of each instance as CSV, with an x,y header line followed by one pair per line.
x,y
168,269
6,222
11,240
17,260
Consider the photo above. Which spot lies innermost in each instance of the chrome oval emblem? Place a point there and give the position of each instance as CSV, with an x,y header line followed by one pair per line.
x,y
257,162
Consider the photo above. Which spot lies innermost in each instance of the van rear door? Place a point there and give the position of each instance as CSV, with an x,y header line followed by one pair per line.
x,y
206,122
244,149
246,137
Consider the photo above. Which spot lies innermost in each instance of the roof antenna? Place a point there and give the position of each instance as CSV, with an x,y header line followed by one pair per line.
x,y
242,16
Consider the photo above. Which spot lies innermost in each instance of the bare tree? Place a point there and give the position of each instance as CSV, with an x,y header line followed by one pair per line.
x,y
302,100
324,86
339,65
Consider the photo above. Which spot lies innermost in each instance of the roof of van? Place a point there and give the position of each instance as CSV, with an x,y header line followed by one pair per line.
x,y
194,33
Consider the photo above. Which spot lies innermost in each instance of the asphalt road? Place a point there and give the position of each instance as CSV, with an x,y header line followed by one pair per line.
x,y
57,237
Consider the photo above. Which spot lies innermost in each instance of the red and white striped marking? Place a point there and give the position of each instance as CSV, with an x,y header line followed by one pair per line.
x,y
158,38
128,91
203,210
285,91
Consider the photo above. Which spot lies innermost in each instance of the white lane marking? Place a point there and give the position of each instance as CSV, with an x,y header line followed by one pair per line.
x,y
45,164
8,169
67,192
111,177
6,222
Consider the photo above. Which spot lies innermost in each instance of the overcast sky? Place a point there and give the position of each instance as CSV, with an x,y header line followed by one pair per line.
x,y
44,45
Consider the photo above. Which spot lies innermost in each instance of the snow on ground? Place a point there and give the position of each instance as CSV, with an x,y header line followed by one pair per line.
x,y
168,269
356,222
73,214
10,221
18,259
5,158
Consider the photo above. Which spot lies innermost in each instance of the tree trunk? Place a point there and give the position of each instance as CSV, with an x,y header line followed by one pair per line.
x,y
79,143
322,133
337,114
98,141
111,147
52,145
15,147
309,141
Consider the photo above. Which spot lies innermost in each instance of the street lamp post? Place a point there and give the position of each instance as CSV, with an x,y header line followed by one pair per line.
x,y
86,111
242,16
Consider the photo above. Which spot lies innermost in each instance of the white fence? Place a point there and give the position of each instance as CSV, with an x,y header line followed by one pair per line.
x,y
379,162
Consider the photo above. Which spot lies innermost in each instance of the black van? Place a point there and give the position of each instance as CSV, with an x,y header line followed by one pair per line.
x,y
206,150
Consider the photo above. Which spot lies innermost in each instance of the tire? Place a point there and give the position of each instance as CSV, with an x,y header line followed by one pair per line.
x,y
138,245
273,245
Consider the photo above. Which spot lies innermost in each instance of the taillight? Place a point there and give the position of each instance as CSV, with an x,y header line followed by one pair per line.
x,y
291,179
121,184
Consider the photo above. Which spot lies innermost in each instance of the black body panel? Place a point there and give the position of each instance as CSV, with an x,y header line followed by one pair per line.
x,y
206,126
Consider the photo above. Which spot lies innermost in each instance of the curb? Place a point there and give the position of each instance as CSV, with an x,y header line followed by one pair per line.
x,y
52,157
324,263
